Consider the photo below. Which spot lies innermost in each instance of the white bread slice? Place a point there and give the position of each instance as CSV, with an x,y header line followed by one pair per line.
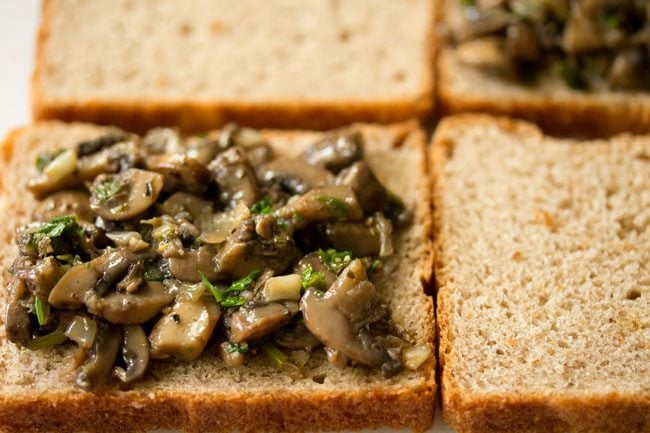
x,y
37,395
542,260
551,104
278,63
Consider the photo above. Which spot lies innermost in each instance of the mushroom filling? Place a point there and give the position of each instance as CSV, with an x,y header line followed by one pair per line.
x,y
589,44
162,247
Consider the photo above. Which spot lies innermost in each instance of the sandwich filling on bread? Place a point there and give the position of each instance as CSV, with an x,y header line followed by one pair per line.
x,y
154,247
595,45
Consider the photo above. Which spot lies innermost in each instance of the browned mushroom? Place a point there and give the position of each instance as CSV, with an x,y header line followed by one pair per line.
x,y
235,177
125,195
334,202
252,323
64,203
136,355
336,151
294,175
101,359
180,172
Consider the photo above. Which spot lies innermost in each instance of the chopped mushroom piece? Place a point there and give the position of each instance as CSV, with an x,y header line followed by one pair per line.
x,y
125,195
188,267
180,172
184,331
103,353
108,161
18,324
181,201
335,202
235,177
64,203
340,318
336,151
294,175
252,323
296,336
135,352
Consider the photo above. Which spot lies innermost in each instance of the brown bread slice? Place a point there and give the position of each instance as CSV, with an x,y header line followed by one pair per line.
x,y
197,65
37,395
551,104
542,260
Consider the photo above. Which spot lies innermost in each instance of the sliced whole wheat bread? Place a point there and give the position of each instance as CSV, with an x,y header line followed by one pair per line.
x,y
550,103
278,63
542,260
37,395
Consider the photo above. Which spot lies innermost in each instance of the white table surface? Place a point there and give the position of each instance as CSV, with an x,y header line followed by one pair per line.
x,y
18,23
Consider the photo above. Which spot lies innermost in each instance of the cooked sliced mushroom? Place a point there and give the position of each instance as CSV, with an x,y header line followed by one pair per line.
x,y
110,160
488,55
628,71
125,195
245,250
162,140
94,145
251,323
186,329
361,239
18,325
340,318
334,202
296,336
235,177
336,151
313,260
188,267
101,359
521,43
294,175
136,355
585,31
130,308
43,276
184,202
82,330
473,22
369,191
71,290
180,172
64,203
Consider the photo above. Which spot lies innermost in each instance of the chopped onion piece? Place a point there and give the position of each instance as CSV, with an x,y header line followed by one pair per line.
x,y
415,356
132,241
61,166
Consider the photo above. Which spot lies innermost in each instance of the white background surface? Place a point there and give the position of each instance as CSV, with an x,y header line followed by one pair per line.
x,y
18,24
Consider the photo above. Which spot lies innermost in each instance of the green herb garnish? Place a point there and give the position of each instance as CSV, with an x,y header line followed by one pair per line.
x,y
43,159
374,266
275,355
154,275
61,226
298,218
48,340
236,348
106,190
311,278
612,21
42,309
335,260
237,286
337,206
263,206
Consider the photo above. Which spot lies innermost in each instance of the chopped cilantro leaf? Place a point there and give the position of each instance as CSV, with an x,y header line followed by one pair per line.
x,y
61,226
263,206
335,260
337,206
106,190
236,348
243,283
311,278
234,300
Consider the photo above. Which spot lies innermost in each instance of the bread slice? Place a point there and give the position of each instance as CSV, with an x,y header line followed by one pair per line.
x,y
37,395
550,103
281,63
542,260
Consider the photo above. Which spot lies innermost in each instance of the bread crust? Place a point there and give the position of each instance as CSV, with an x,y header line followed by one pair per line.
x,y
521,412
286,408
567,112
194,116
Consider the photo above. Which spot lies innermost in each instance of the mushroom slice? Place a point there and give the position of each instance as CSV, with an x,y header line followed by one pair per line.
x,y
180,172
184,202
296,336
340,317
627,71
18,324
125,195
94,145
336,151
64,203
188,267
130,308
295,175
71,290
369,191
487,54
361,239
185,330
252,323
116,158
103,353
235,177
334,202
162,140
82,330
135,352
314,261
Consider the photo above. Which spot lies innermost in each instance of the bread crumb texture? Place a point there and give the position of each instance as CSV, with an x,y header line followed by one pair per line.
x,y
543,266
